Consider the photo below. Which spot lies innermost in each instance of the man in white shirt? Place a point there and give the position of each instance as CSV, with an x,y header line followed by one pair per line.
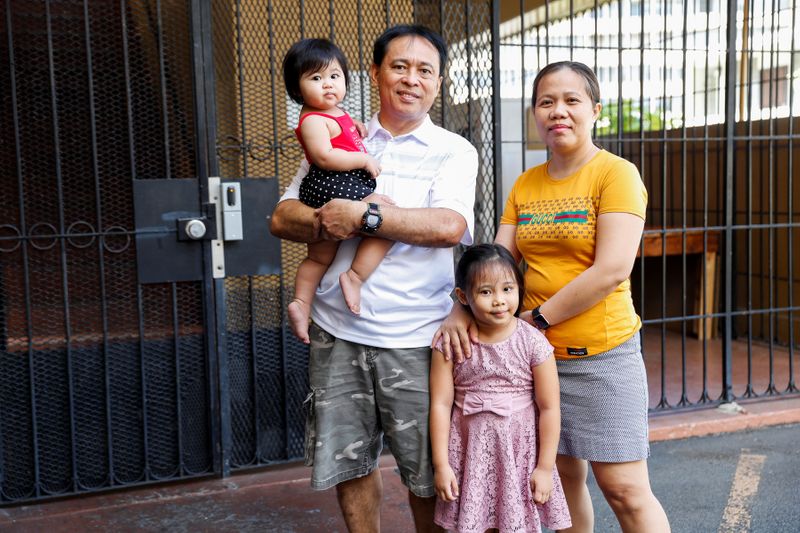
x,y
369,372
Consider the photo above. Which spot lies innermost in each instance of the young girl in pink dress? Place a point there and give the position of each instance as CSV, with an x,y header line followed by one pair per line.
x,y
495,418
316,76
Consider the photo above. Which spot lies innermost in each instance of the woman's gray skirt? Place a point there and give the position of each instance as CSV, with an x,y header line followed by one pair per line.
x,y
604,405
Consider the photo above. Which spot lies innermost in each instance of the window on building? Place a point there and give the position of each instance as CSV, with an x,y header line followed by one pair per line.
x,y
774,87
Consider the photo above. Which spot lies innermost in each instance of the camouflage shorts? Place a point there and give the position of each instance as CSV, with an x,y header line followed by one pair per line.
x,y
359,394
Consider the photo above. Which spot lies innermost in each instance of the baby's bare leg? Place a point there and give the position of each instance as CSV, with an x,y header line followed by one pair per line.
x,y
369,255
309,274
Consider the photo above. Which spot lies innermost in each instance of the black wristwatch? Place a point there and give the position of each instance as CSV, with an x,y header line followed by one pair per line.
x,y
372,219
539,320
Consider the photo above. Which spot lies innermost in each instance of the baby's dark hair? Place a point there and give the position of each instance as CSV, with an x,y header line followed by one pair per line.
x,y
310,55
480,258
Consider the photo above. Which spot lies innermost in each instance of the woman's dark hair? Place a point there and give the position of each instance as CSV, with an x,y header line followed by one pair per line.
x,y
310,55
592,85
478,259
416,30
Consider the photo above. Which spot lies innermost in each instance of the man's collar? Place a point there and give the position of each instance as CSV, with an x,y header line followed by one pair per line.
x,y
425,132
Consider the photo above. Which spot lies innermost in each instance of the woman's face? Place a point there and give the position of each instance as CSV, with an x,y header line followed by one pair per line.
x,y
564,111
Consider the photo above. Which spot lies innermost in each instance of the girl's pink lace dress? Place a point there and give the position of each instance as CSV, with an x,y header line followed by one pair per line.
x,y
492,445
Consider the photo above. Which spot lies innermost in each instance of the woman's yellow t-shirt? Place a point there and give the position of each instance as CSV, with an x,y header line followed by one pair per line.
x,y
556,224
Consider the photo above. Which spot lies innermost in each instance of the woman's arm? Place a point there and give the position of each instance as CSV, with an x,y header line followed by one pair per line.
x,y
545,379
441,384
618,236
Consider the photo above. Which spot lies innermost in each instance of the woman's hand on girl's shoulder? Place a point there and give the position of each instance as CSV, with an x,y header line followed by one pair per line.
x,y
456,333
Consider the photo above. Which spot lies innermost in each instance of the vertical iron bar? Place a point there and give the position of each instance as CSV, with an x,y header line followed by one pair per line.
x,y
620,101
749,392
523,72
362,71
176,346
642,298
468,50
730,146
62,244
139,297
100,257
276,153
254,366
704,396
771,389
683,401
243,142
206,164
331,24
664,402
791,387
24,248
162,78
444,87
499,193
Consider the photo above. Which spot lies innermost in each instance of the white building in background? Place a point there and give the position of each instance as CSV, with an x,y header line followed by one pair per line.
x,y
661,61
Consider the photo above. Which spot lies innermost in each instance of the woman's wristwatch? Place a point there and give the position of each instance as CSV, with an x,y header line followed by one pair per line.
x,y
538,319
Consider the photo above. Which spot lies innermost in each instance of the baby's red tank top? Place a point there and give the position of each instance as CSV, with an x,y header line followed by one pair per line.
x,y
348,140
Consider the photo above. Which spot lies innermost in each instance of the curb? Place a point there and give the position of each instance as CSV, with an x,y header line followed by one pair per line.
x,y
726,418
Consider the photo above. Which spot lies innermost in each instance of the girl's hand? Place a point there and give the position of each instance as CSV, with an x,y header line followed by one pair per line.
x,y
455,332
380,199
372,166
445,484
361,128
541,485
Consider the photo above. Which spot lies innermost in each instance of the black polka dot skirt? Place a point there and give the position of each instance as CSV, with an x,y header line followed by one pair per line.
x,y
604,405
320,186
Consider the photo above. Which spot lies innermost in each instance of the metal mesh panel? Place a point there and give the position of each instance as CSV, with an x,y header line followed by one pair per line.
x,y
104,383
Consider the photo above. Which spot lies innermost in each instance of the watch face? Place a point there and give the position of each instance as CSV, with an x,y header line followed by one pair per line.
x,y
372,220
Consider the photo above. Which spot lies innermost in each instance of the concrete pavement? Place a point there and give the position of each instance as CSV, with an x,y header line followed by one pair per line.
x,y
279,499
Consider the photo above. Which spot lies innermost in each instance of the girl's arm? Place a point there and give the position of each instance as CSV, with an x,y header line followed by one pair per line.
x,y
545,379
441,383
618,236
317,141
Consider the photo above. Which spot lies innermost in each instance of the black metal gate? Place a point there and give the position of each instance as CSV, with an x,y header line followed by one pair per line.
x,y
130,352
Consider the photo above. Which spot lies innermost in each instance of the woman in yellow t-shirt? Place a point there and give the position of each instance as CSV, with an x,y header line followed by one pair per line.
x,y
577,221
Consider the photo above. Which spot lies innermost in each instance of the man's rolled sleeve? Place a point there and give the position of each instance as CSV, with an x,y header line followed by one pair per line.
x,y
454,188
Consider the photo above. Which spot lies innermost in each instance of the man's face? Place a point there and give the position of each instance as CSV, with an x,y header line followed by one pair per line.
x,y
408,81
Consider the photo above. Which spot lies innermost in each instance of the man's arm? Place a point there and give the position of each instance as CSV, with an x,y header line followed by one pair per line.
x,y
423,226
294,221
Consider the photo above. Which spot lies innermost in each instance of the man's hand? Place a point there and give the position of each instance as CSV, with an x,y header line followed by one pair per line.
x,y
456,332
445,484
340,219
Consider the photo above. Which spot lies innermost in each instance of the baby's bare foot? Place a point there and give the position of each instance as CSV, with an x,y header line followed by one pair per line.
x,y
299,313
351,288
